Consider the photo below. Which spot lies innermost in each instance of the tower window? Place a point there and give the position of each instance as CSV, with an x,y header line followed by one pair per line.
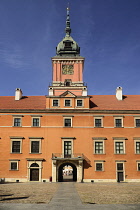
x,y
67,82
67,44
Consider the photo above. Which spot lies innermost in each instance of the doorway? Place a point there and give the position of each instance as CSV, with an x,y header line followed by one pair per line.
x,y
67,172
34,172
120,172
120,177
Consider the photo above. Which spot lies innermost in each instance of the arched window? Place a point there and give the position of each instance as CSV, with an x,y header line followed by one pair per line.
x,y
34,165
68,82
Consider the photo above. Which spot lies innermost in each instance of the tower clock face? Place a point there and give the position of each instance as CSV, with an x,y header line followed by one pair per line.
x,y
67,69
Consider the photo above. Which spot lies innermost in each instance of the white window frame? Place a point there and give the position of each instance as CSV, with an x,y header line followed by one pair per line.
x,y
100,118
136,118
64,122
115,118
58,102
32,121
20,117
40,146
82,103
97,162
123,147
135,147
95,147
70,102
123,162
63,141
20,140
14,161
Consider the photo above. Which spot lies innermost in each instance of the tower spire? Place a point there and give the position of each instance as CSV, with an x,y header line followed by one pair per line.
x,y
68,29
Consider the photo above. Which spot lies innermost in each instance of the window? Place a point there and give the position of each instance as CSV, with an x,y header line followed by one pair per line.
x,y
119,166
14,165
68,44
99,167
138,166
36,122
137,147
118,123
55,102
17,122
79,102
16,146
119,147
137,122
35,146
98,147
67,102
67,122
67,149
98,122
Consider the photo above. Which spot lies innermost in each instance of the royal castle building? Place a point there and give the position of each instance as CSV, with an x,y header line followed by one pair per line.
x,y
98,136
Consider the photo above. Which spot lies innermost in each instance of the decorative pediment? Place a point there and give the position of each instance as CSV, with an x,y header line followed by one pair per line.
x,y
68,94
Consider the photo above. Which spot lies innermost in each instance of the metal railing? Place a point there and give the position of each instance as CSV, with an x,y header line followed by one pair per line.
x,y
62,155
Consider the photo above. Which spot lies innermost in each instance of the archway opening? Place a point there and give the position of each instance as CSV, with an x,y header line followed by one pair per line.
x,y
67,172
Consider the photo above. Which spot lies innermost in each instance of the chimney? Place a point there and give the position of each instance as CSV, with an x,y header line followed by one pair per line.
x,y
18,94
84,93
50,91
119,95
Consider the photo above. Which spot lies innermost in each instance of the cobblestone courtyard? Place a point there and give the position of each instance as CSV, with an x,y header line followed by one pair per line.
x,y
90,193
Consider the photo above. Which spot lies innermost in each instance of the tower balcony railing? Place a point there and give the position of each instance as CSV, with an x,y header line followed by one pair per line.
x,y
67,156
63,85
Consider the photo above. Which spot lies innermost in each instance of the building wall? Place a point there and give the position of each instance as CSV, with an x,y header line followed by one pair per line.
x,y
52,130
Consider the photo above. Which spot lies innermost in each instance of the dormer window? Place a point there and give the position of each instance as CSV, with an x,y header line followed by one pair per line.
x,y
68,44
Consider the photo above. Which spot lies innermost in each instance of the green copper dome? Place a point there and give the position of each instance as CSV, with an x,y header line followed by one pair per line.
x,y
68,47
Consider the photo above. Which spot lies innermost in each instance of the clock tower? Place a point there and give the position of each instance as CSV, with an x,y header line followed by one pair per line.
x,y
67,66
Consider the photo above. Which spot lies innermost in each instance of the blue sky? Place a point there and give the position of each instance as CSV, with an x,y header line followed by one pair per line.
x,y
108,32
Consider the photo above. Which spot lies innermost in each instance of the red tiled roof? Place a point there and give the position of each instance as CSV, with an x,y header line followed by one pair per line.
x,y
110,102
27,102
97,102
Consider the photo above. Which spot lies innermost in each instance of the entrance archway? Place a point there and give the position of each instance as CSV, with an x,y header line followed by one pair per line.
x,y
73,176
